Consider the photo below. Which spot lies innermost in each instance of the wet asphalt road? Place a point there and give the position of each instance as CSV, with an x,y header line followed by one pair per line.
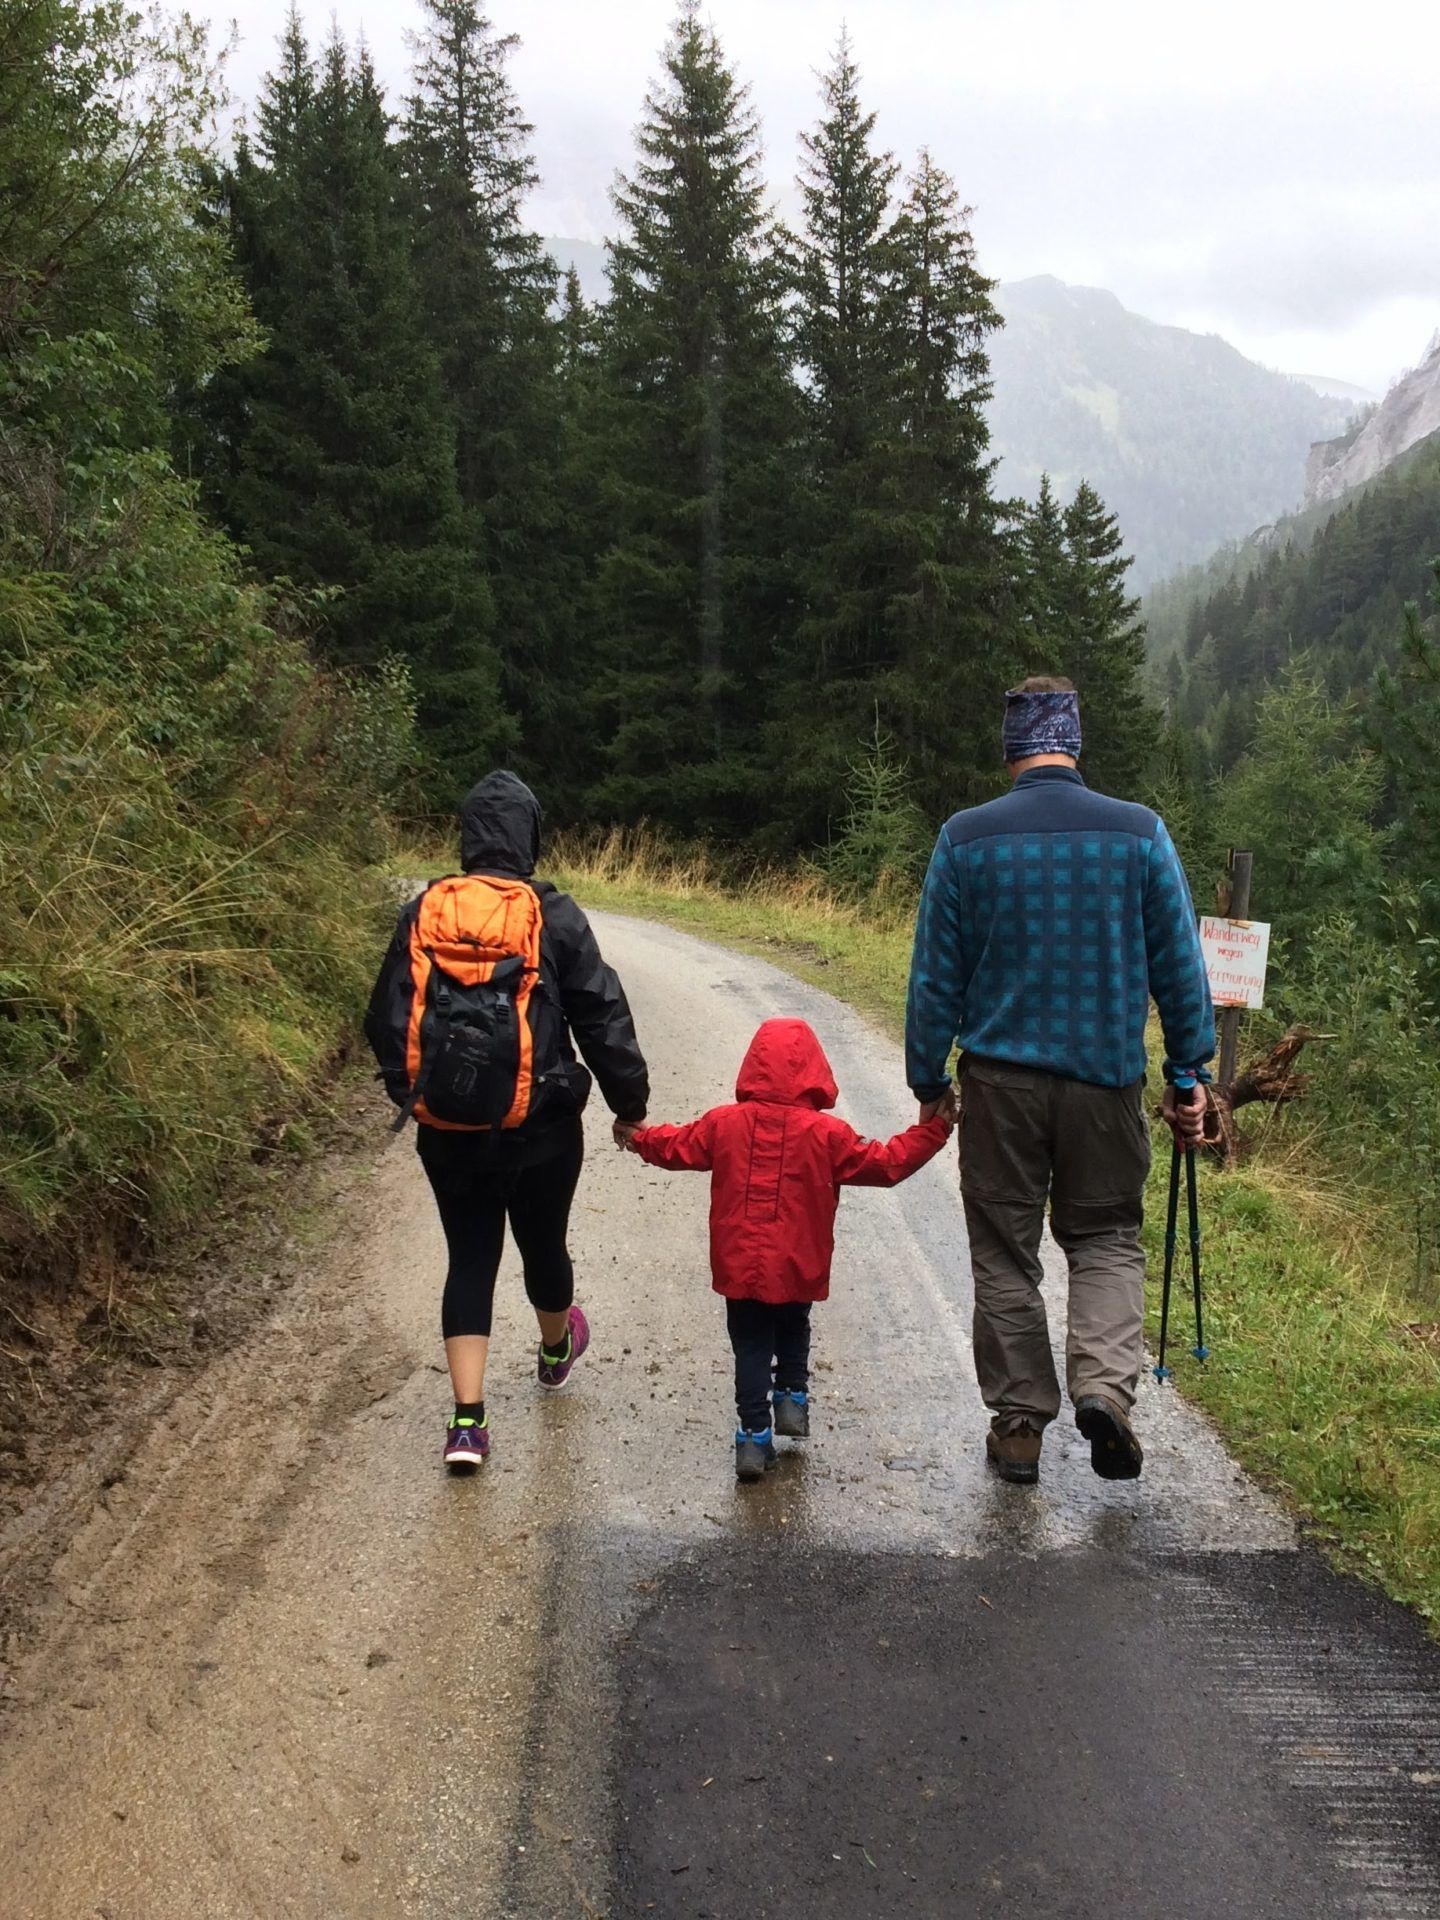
x,y
291,1669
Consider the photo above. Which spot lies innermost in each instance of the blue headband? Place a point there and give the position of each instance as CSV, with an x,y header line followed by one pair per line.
x,y
1041,723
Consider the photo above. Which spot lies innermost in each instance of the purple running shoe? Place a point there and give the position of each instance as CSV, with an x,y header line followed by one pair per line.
x,y
467,1445
554,1373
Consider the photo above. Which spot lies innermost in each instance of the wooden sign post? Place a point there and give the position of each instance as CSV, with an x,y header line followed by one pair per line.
x,y
1239,867
1237,950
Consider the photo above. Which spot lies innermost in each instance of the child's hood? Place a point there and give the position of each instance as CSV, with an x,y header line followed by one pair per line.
x,y
786,1065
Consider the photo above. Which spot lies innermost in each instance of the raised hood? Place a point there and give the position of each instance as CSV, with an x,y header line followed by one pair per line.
x,y
786,1065
500,827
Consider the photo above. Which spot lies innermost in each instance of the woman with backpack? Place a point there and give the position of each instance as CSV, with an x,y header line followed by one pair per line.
x,y
489,979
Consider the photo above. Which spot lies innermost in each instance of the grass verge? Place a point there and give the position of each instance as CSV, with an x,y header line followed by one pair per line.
x,y
1324,1374
1318,1379
189,930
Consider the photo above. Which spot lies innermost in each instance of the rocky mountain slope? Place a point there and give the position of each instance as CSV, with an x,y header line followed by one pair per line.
x,y
1412,477
1409,413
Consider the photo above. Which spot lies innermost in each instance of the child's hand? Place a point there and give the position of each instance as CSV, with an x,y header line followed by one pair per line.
x,y
625,1132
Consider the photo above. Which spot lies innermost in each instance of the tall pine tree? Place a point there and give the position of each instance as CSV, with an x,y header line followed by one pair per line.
x,y
700,421
1042,586
342,456
951,619
1103,649
487,288
840,268
841,261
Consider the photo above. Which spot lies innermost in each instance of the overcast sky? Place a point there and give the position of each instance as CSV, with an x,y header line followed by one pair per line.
x,y
1264,169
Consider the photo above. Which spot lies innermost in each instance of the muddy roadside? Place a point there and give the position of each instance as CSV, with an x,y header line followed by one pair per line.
x,y
88,1369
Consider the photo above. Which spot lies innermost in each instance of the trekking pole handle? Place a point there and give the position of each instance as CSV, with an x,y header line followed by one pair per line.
x,y
1187,1086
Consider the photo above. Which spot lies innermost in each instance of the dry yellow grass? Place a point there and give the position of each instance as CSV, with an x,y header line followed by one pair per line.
x,y
859,952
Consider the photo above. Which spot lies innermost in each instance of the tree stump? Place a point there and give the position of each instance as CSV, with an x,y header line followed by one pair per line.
x,y
1272,1078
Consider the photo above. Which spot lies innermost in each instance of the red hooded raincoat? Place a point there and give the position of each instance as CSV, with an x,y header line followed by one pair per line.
x,y
778,1161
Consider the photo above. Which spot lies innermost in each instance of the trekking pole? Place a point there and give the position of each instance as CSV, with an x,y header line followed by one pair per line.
x,y
1200,1350
1162,1372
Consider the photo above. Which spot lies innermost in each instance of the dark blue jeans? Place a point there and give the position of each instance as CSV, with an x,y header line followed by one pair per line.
x,y
772,1346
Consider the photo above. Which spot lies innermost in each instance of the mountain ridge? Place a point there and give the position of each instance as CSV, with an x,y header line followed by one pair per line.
x,y
1187,440
1409,413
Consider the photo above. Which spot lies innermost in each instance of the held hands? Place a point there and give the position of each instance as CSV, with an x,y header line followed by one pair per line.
x,y
1185,1116
946,1108
624,1132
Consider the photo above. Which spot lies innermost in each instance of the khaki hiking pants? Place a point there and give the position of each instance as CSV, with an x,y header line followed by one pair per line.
x,y
1026,1137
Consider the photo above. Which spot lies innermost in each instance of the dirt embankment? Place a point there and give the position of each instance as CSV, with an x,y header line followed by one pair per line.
x,y
88,1364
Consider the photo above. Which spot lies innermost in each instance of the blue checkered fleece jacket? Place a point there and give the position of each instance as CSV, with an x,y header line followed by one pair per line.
x,y
1048,919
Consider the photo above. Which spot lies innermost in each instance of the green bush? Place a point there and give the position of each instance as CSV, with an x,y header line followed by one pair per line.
x,y
1375,1093
187,933
191,810
191,817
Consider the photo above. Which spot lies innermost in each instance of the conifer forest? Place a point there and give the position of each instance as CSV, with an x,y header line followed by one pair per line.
x,y
676,554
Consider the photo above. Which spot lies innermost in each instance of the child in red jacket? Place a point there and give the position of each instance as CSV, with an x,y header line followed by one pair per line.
x,y
778,1161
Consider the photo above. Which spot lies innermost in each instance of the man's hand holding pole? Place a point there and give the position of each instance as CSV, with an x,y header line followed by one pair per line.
x,y
1183,1111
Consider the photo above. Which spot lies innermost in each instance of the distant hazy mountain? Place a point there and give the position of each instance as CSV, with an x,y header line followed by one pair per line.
x,y
1190,443
1339,389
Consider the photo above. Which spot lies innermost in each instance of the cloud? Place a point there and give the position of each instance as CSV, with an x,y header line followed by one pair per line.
x,y
1273,165
1293,209
1320,266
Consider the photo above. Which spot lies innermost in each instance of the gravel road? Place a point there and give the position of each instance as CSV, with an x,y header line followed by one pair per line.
x,y
289,1668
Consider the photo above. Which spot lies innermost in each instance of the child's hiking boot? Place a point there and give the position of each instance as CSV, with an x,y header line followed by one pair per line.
x,y
553,1369
792,1413
1115,1452
467,1444
754,1453
1015,1456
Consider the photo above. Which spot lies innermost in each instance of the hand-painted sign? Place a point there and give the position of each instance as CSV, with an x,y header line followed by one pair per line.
x,y
1235,955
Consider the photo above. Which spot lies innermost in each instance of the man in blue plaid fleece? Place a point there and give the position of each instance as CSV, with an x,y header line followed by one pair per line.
x,y
1049,918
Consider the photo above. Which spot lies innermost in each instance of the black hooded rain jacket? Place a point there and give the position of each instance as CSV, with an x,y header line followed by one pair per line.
x,y
500,835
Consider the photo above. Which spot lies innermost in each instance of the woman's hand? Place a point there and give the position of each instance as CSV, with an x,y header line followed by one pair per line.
x,y
624,1132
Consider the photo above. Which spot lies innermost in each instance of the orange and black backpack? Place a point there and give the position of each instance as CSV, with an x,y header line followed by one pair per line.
x,y
475,987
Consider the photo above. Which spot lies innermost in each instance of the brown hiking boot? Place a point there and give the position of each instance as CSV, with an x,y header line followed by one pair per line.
x,y
1016,1455
1115,1453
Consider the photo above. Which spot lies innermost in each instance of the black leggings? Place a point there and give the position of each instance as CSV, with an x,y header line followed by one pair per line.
x,y
478,1181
